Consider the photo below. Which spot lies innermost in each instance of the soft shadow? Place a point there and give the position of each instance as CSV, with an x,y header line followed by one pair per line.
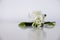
x,y
58,1
0,38
0,0
59,38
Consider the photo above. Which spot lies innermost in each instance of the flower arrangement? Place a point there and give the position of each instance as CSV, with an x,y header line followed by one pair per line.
x,y
38,21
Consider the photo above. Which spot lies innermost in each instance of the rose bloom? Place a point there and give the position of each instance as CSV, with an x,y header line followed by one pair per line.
x,y
37,18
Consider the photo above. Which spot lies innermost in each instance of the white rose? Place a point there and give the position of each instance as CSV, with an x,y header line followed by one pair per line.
x,y
37,17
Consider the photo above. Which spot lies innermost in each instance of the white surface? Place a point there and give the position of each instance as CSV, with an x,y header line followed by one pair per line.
x,y
14,11
11,31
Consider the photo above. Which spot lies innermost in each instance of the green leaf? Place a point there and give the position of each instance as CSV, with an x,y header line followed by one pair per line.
x,y
22,25
50,23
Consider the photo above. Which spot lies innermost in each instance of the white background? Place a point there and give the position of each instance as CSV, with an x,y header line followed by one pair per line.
x,y
14,11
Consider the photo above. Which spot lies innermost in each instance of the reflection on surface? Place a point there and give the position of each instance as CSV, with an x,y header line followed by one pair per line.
x,y
11,31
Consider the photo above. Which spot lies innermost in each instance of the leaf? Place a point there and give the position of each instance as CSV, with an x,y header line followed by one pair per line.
x,y
22,25
25,24
50,23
